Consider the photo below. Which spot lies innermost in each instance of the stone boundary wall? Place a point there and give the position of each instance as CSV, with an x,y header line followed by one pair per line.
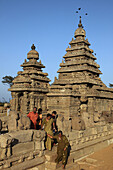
x,y
89,141
24,148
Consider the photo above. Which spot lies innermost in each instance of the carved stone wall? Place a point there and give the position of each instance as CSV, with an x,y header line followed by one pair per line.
x,y
18,148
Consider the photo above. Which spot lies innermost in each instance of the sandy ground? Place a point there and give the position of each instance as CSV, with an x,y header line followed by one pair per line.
x,y
102,159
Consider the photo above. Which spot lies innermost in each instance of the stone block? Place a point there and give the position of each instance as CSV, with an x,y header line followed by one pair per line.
x,y
43,147
90,131
22,148
100,145
75,135
9,151
3,153
76,155
37,134
51,165
40,134
29,164
12,121
22,135
90,160
78,124
5,140
25,121
7,164
38,145
31,156
99,129
105,129
88,150
21,159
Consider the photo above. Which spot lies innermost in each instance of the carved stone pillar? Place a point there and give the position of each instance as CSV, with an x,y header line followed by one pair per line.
x,y
39,105
25,102
45,104
17,102
31,101
13,101
36,102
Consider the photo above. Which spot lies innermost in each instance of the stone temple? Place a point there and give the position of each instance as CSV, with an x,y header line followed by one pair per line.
x,y
30,86
83,103
78,91
77,94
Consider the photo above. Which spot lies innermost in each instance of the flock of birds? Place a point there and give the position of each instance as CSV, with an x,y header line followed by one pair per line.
x,y
79,10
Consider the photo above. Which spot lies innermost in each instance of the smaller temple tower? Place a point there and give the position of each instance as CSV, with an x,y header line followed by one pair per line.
x,y
30,85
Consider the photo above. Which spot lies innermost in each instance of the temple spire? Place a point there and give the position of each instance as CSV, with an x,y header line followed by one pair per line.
x,y
80,24
33,47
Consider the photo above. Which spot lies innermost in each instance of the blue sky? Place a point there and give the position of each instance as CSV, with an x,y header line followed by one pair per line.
x,y
50,25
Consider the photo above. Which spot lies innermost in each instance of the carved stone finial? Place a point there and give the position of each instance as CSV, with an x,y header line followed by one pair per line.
x,y
80,24
33,47
62,61
55,78
40,62
25,61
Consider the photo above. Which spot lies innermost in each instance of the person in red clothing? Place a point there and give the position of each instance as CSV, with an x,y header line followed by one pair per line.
x,y
33,116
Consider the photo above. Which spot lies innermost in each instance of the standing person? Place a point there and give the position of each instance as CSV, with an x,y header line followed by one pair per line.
x,y
39,121
54,122
33,117
8,110
47,123
62,148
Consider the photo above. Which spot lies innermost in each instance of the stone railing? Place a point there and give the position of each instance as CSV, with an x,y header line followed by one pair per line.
x,y
18,148
90,140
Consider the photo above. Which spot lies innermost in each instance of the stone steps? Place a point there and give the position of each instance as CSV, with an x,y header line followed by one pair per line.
x,y
51,165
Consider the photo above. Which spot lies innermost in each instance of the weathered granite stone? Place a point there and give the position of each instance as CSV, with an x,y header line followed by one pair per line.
x,y
12,121
22,148
3,153
22,136
24,122
78,123
5,140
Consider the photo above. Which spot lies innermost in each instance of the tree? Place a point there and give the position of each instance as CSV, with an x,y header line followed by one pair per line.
x,y
8,80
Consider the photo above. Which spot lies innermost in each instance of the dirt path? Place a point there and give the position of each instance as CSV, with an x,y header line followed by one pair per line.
x,y
100,160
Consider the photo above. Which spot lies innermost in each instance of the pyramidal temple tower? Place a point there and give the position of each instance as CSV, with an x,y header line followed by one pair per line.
x,y
78,91
30,86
